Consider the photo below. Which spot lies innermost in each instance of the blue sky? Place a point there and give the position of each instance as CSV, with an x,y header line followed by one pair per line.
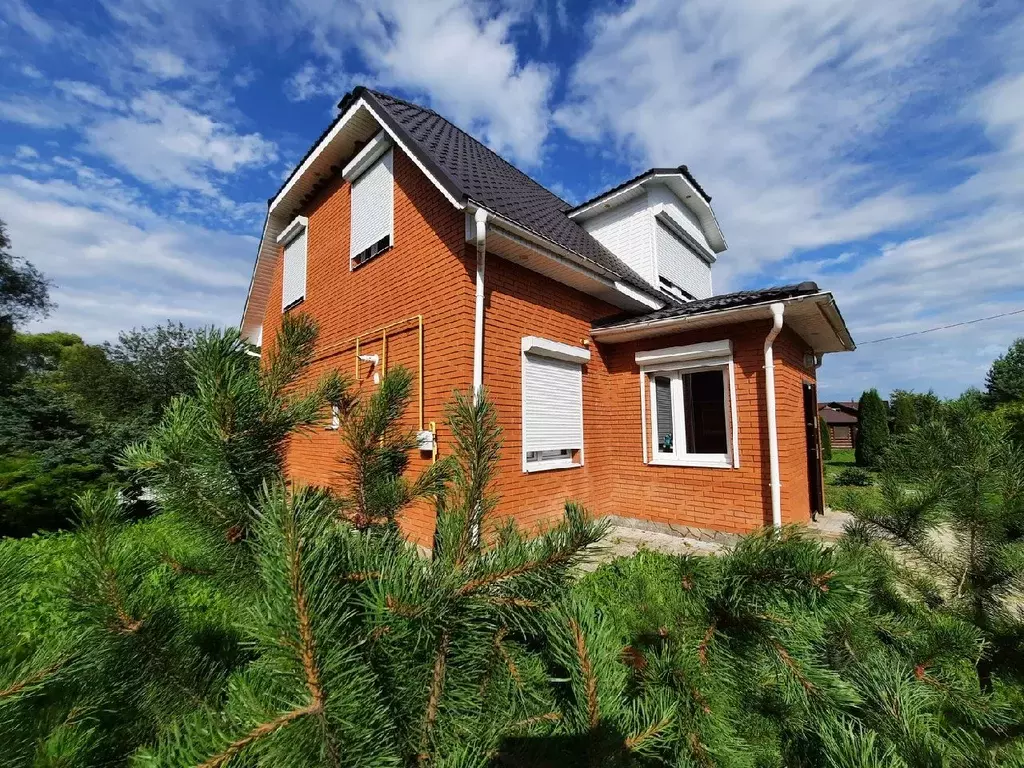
x,y
876,147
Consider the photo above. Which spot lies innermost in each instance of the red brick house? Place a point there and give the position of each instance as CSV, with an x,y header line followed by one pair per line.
x,y
620,378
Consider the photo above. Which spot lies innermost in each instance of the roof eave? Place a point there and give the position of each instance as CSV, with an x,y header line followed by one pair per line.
x,y
642,329
649,299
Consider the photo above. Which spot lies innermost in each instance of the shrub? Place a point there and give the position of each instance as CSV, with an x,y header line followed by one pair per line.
x,y
854,476
872,429
826,439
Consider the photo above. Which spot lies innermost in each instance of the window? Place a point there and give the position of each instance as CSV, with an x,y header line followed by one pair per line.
x,y
373,210
293,238
691,395
552,404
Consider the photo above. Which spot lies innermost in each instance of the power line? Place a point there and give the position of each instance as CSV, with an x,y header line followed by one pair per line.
x,y
944,327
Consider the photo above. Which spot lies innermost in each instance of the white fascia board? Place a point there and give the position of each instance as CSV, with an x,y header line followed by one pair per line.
x,y
367,156
337,129
702,208
554,251
398,142
605,200
535,345
685,354
636,295
293,230
252,282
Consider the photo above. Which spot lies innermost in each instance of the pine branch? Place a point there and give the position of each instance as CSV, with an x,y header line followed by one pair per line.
x,y
509,661
547,717
259,732
636,740
36,677
434,699
590,680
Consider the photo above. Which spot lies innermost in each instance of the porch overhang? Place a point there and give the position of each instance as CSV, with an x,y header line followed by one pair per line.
x,y
814,317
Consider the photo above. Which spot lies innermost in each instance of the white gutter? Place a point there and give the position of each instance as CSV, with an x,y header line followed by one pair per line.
x,y
478,330
778,308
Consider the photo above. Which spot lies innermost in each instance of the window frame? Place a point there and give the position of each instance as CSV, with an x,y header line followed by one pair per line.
x,y
297,226
377,151
675,363
570,458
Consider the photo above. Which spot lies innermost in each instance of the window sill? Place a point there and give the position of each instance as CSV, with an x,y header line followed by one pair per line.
x,y
293,305
543,466
708,463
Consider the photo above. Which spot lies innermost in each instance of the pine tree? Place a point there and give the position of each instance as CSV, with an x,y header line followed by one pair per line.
x,y
261,626
952,500
872,429
1004,382
904,416
826,439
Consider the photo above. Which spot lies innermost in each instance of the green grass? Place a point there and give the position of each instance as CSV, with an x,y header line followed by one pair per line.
x,y
842,497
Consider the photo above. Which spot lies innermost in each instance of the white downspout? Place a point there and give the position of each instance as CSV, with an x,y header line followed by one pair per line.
x,y
478,339
773,433
478,329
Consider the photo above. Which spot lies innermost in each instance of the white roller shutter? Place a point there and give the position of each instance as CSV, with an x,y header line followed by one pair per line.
x,y
677,263
294,287
552,404
373,205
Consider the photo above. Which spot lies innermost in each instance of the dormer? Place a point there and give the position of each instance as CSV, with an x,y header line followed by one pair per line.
x,y
661,225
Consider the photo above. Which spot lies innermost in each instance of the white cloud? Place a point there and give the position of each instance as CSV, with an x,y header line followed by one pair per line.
x,y
161,62
456,53
118,265
774,105
312,81
167,144
33,113
24,152
87,93
16,12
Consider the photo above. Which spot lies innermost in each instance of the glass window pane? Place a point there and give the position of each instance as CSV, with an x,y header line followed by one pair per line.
x,y
663,409
704,412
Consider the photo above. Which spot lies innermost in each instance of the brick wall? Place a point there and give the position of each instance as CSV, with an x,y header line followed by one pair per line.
x,y
613,478
424,273
431,271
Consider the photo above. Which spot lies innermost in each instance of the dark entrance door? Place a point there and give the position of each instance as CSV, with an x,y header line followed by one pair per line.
x,y
815,491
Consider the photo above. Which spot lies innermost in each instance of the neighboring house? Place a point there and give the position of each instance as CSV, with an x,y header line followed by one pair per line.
x,y
620,380
841,419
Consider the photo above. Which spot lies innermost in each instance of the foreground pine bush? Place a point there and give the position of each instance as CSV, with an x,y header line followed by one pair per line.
x,y
253,622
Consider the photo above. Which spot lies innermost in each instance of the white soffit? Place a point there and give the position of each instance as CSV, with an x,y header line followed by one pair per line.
x,y
535,345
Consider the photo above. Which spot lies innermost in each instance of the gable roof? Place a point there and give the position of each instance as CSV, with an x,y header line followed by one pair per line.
x,y
472,172
648,174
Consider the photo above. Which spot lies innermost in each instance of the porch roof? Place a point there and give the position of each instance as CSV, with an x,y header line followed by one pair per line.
x,y
811,312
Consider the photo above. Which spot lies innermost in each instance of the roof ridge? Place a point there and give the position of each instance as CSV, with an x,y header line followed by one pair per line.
x,y
474,139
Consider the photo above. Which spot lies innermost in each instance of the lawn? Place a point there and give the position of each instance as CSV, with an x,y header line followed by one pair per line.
x,y
842,496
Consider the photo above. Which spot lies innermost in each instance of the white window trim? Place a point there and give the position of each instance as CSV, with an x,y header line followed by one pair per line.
x,y
293,230
367,157
709,356
535,345
296,227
